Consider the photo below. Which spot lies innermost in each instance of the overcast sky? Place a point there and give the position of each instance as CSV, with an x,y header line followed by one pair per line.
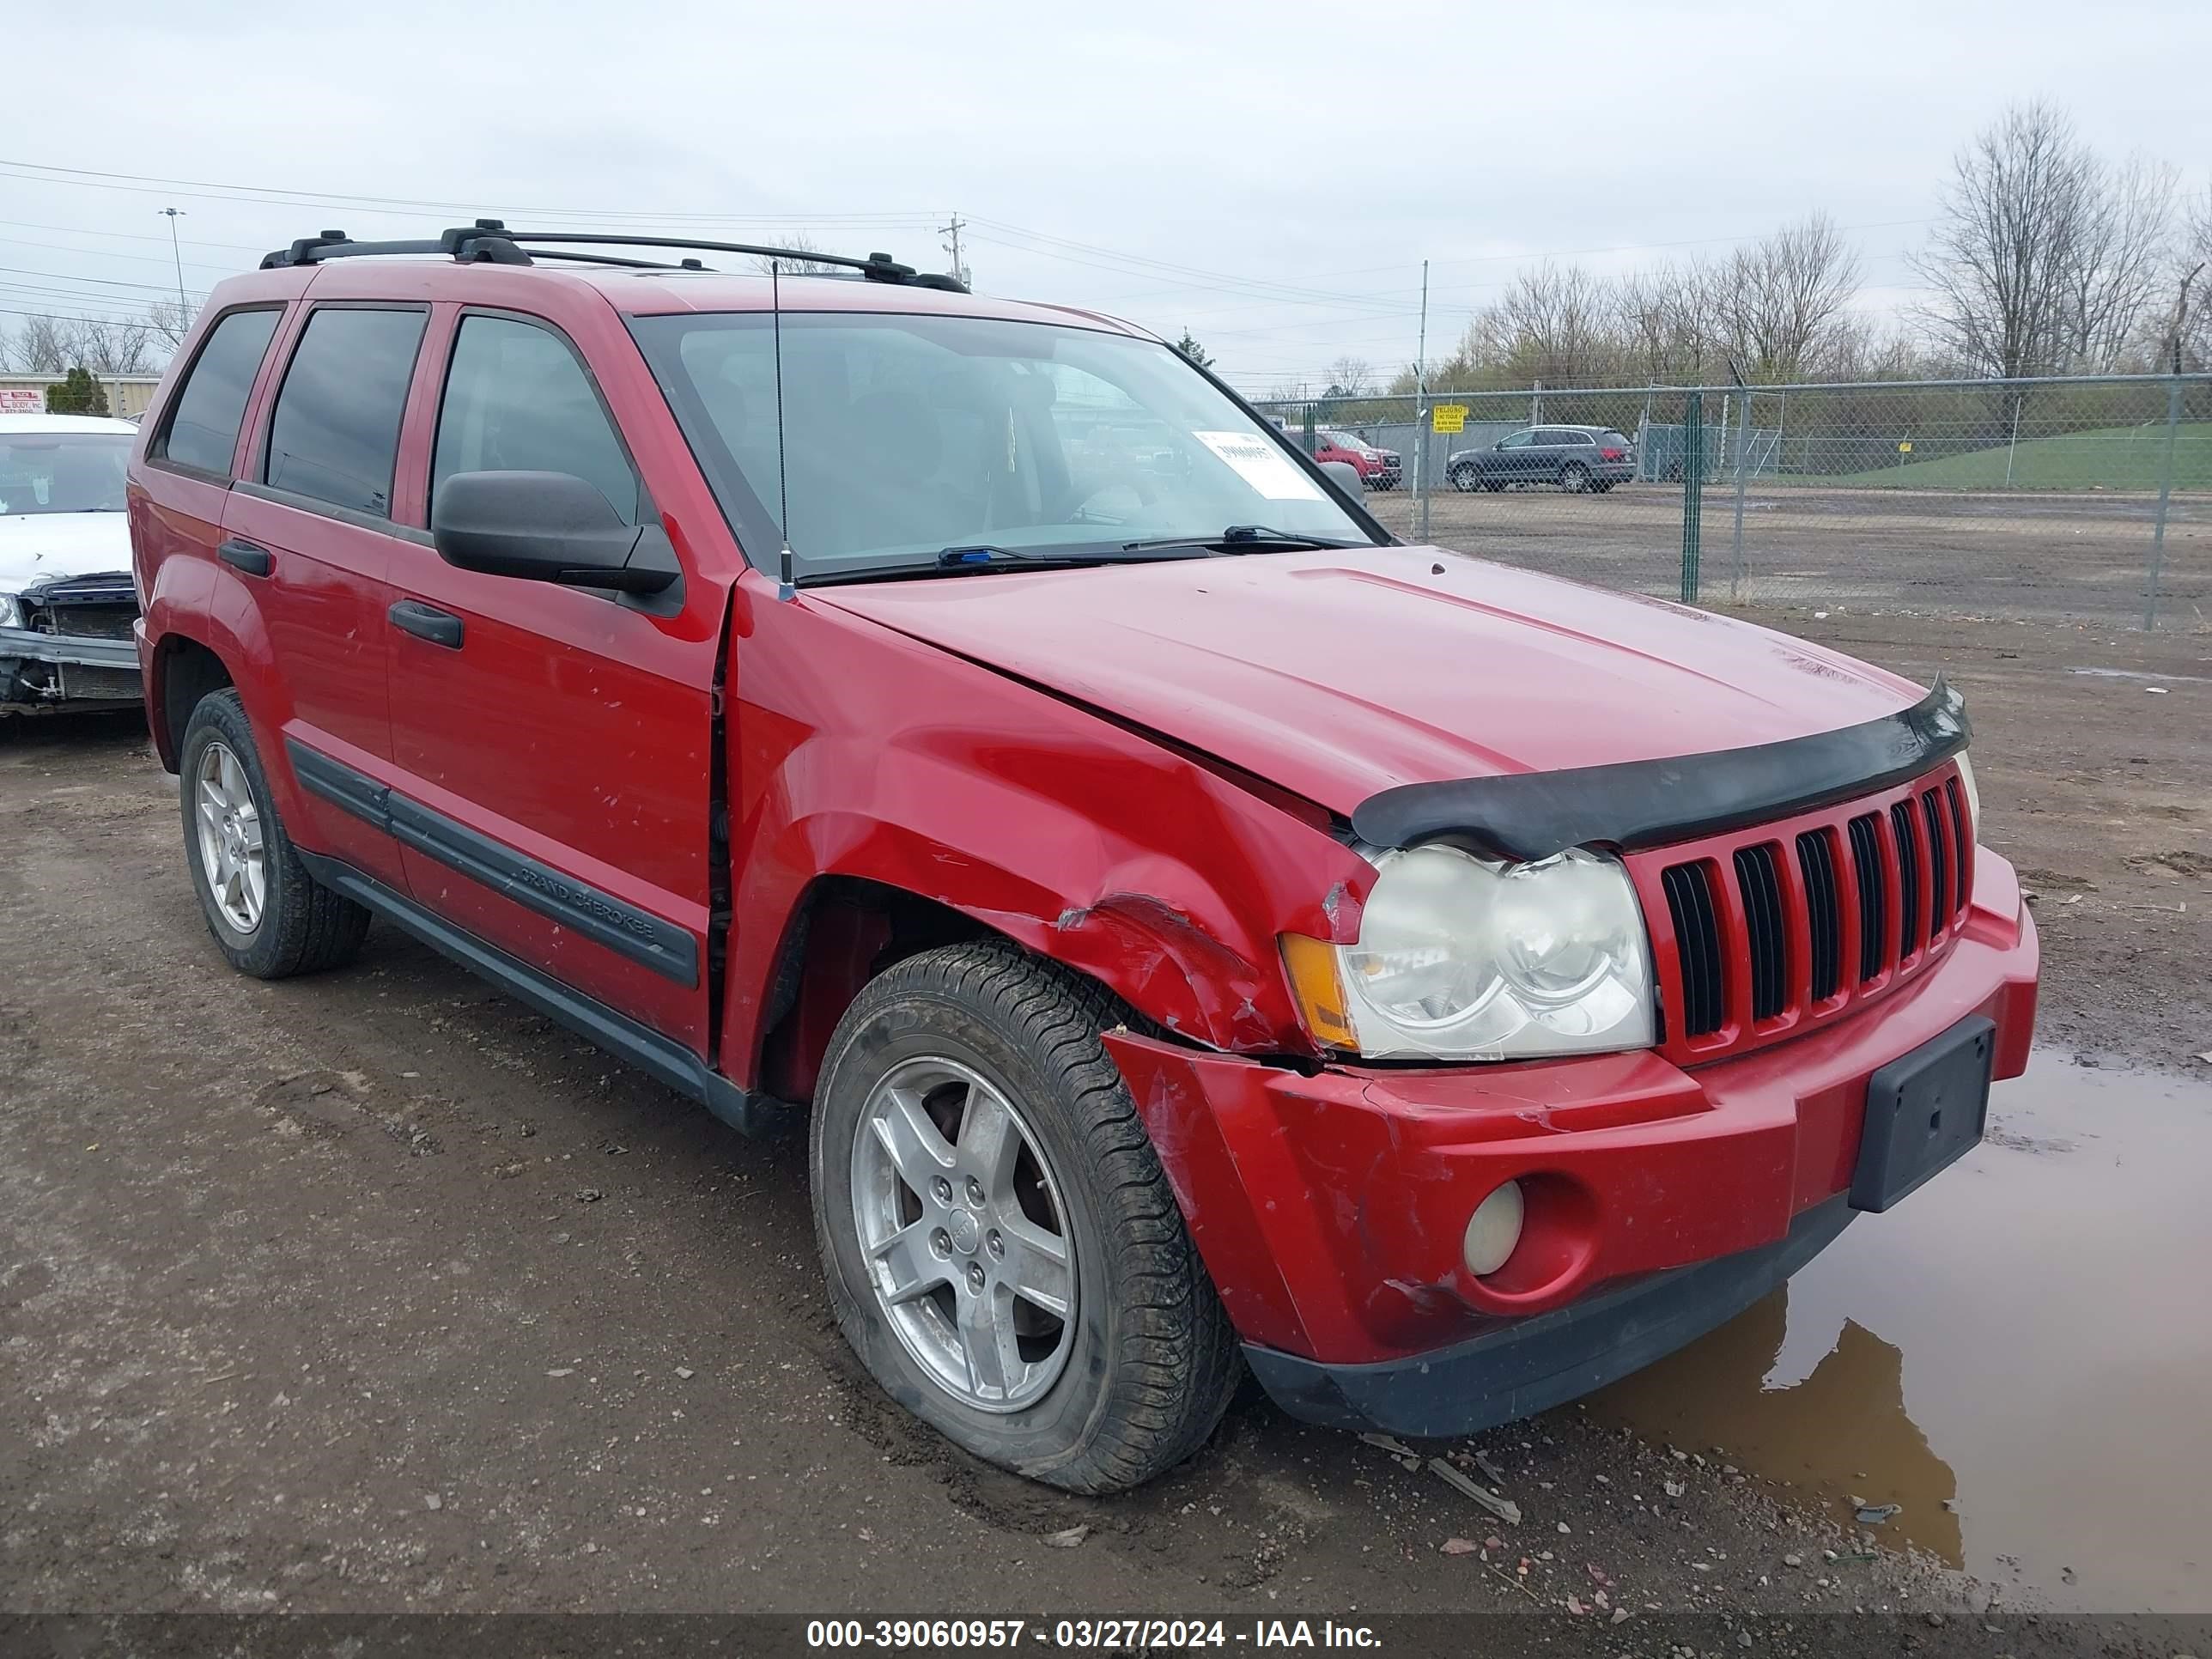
x,y
1270,176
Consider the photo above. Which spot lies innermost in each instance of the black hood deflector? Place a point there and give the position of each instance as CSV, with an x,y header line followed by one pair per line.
x,y
1632,804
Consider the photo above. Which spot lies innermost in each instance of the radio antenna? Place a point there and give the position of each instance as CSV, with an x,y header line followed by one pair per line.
x,y
788,589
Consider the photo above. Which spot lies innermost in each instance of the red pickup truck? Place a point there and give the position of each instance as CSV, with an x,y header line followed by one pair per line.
x,y
1197,931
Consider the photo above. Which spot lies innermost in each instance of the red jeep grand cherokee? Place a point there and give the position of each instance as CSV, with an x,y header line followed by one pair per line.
x,y
1199,931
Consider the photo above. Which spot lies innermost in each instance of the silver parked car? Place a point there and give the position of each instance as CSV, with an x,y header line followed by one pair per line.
x,y
1575,458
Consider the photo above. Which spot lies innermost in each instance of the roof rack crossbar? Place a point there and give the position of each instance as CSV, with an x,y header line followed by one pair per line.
x,y
489,241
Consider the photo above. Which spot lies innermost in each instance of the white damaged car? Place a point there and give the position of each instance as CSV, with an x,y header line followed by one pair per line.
x,y
66,598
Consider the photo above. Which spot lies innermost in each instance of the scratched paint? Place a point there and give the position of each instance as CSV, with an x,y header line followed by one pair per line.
x,y
2017,1354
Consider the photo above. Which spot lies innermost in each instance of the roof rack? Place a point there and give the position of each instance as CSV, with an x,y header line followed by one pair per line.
x,y
489,241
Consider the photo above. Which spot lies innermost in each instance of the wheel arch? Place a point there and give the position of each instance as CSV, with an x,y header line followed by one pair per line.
x,y
183,671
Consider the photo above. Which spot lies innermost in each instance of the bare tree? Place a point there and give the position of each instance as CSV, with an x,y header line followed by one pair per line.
x,y
2119,274
1779,301
1350,377
115,347
43,346
2041,259
2187,325
1554,324
170,321
801,244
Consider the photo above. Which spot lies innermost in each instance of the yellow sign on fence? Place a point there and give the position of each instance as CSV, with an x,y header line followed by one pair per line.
x,y
1904,448
1449,418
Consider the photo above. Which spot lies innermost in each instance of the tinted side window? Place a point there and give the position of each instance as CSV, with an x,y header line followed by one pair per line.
x,y
203,426
334,436
518,401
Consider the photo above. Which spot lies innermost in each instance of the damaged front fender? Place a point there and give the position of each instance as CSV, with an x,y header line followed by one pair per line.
x,y
1081,840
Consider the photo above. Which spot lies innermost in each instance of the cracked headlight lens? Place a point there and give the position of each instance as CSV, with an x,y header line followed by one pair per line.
x,y
1463,958
11,610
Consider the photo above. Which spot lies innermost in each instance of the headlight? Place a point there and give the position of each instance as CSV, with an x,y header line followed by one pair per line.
x,y
1966,782
11,610
1460,959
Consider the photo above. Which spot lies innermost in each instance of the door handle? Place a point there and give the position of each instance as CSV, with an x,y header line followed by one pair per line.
x,y
253,559
427,622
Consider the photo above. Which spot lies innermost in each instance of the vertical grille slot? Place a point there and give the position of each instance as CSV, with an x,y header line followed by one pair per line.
x,y
1761,888
1696,944
1939,861
1823,912
1908,879
1963,825
1874,909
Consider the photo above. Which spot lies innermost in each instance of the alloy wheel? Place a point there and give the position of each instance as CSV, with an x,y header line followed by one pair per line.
x,y
228,825
964,1234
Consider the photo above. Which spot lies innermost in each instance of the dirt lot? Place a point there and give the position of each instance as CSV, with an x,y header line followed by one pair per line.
x,y
376,1291
2047,555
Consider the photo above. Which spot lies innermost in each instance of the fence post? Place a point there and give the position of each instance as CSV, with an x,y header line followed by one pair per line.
x,y
1693,486
1422,444
2165,494
1742,453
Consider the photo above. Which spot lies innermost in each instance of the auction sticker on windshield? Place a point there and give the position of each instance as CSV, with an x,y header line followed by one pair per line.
x,y
1262,465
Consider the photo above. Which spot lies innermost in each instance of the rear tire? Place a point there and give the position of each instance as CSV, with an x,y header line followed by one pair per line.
x,y
1133,1379
270,917
1574,478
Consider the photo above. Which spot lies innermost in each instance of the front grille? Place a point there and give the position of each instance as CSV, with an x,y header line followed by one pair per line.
x,y
1769,936
1866,898
1908,879
1874,910
92,622
1816,868
1698,945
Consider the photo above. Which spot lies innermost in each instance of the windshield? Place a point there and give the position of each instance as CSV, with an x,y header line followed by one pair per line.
x,y
906,435
62,472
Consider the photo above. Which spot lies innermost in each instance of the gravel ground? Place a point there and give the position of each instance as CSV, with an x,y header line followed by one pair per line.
x,y
376,1291
2056,558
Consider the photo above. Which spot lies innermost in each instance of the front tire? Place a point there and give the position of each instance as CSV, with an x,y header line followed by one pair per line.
x,y
1463,478
1002,1248
270,917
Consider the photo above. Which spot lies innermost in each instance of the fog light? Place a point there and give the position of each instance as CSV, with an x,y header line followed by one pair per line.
x,y
1493,1230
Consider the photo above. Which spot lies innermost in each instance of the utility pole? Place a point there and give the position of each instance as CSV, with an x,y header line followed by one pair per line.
x,y
1421,403
183,310
952,248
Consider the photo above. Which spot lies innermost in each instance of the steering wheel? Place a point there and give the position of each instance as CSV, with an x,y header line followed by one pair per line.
x,y
1147,492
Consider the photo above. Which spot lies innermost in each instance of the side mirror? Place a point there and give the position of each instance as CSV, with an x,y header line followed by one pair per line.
x,y
1345,476
547,527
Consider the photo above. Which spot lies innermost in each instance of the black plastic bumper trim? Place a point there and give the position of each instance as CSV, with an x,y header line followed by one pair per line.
x,y
661,946
660,1056
1632,804
1533,1365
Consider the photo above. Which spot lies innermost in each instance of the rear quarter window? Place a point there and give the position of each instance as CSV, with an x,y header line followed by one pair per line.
x,y
201,430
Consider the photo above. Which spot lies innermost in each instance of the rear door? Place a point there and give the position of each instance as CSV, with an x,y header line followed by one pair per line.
x,y
554,742
310,533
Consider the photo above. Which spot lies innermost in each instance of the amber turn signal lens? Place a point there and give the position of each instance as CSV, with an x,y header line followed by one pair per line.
x,y
1311,963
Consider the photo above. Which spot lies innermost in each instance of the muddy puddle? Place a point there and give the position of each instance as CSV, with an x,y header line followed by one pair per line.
x,y
2020,1354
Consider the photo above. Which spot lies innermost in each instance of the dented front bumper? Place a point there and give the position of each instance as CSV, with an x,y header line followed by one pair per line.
x,y
1330,1205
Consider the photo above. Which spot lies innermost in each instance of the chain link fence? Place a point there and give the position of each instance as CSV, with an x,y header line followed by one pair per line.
x,y
2074,499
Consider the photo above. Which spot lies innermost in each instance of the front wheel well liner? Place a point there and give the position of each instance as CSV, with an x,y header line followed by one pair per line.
x,y
844,932
185,672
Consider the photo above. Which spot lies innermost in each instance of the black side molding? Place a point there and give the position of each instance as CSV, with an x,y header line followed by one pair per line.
x,y
668,950
1638,804
642,1047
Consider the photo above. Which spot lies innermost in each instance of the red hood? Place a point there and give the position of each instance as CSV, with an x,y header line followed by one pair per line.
x,y
1338,673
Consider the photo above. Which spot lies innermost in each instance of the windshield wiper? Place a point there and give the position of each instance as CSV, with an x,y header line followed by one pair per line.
x,y
983,557
966,560
1238,536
